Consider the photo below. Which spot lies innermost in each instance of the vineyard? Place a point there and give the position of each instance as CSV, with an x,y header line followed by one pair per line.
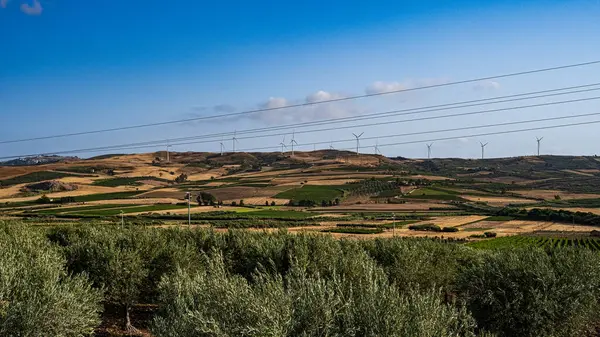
x,y
539,241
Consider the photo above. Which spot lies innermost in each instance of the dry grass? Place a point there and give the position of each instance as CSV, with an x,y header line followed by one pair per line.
x,y
454,221
496,201
549,194
408,207
82,190
506,180
578,172
260,201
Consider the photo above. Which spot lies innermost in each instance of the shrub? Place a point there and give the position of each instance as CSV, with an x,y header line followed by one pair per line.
x,y
450,229
527,292
37,297
425,227
43,200
303,304
490,234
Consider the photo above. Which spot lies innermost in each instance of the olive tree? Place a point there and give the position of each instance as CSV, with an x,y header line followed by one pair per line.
x,y
37,296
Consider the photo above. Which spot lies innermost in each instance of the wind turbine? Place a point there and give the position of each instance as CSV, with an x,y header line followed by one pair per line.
x,y
168,146
357,141
222,146
376,147
482,149
234,140
283,144
293,141
538,141
429,150
331,146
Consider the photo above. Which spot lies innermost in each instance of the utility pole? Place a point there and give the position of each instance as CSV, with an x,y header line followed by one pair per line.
x,y
122,220
394,224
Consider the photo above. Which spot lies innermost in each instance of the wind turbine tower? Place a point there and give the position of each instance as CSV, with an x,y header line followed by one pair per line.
x,y
168,146
222,146
539,140
283,145
234,140
483,149
293,141
376,147
429,150
357,141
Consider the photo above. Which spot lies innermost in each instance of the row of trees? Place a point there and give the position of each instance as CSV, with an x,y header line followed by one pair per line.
x,y
243,283
547,214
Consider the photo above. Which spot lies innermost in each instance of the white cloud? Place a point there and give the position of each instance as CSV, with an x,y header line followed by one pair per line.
x,y
274,103
305,113
35,9
380,87
321,96
487,86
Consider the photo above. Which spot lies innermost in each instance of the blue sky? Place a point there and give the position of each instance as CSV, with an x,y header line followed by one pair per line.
x,y
69,66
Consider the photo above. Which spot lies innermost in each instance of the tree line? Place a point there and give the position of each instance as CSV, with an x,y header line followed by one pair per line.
x,y
56,282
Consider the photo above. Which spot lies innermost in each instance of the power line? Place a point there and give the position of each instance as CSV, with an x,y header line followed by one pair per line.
x,y
387,114
409,111
459,137
133,146
351,140
248,112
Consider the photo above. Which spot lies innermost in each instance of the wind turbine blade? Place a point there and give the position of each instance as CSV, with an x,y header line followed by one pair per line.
x,y
355,135
360,134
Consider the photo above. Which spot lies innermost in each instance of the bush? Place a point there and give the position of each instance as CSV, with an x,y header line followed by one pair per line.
x,y
450,229
302,304
490,234
43,200
37,297
425,227
527,292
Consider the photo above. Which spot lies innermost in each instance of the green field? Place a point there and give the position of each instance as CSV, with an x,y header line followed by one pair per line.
x,y
68,210
274,214
126,181
106,196
433,194
129,210
537,241
34,178
313,193
499,218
